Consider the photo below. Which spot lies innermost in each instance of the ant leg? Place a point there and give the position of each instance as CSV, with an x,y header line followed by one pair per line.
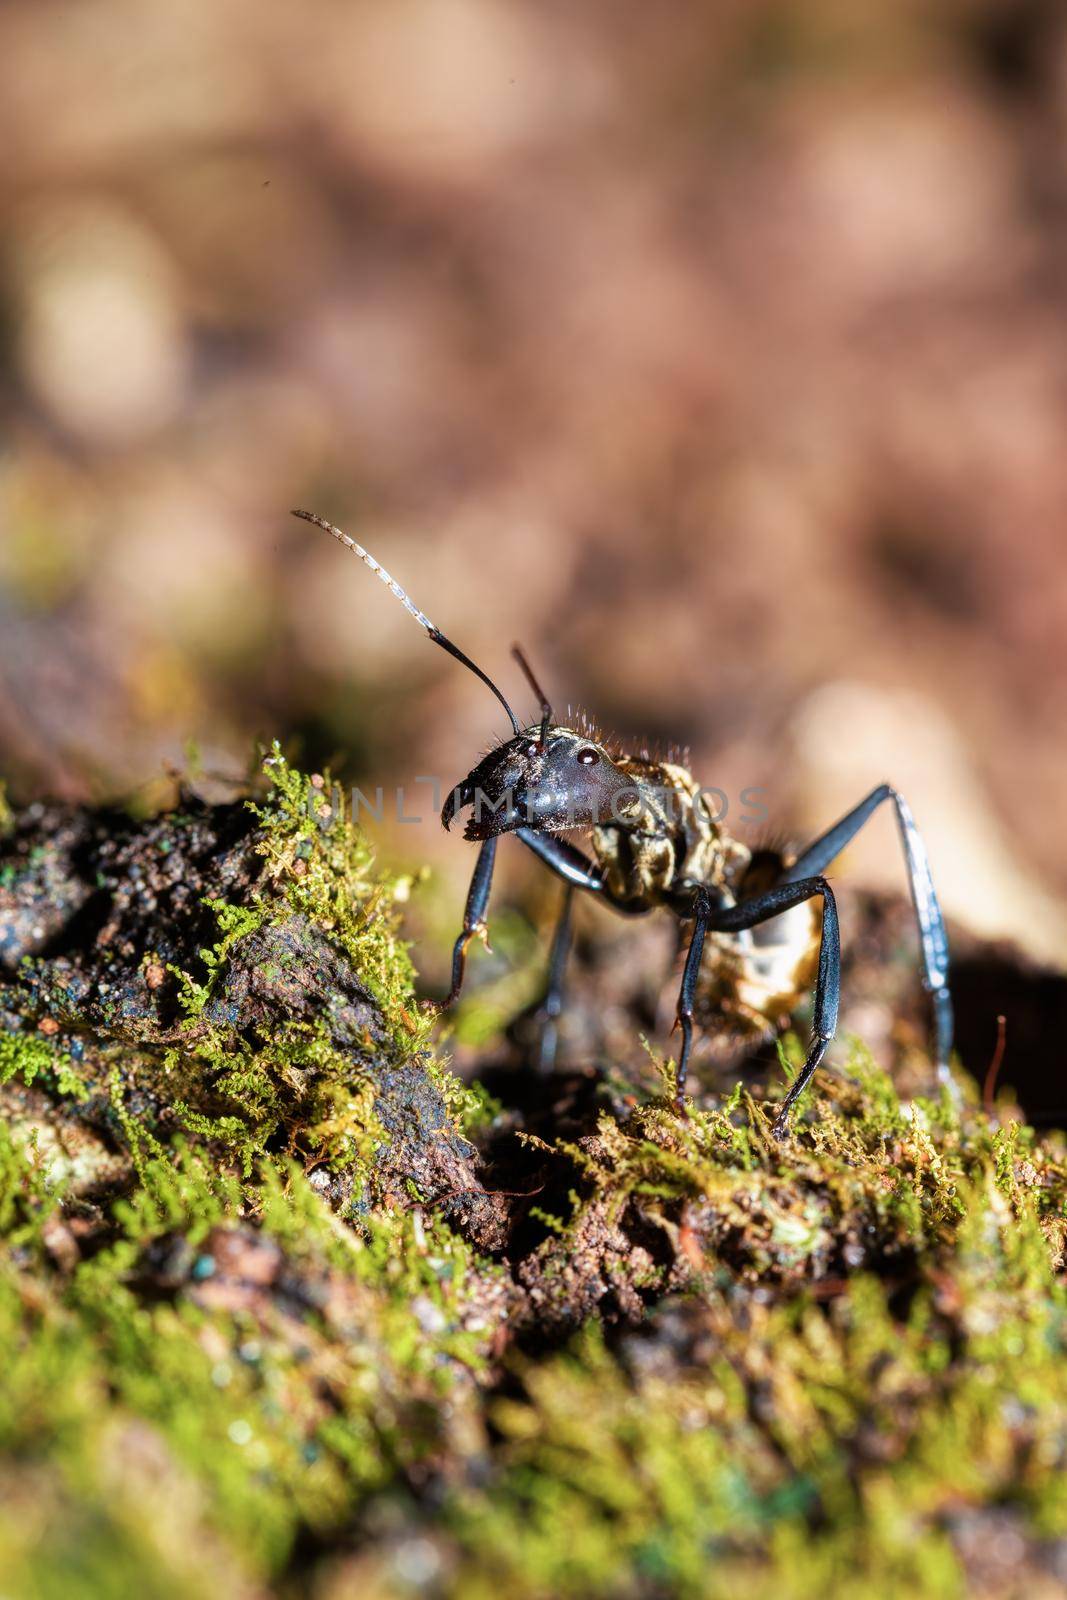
x,y
933,938
577,872
684,1014
473,922
564,859
733,919
552,1004
567,862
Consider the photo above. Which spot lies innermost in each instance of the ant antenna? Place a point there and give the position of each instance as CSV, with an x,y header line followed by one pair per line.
x,y
546,709
409,605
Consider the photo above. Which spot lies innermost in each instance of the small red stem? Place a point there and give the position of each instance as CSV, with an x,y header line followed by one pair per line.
x,y
994,1066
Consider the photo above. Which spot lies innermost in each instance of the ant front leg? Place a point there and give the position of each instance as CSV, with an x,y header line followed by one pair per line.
x,y
473,922
734,919
564,859
933,938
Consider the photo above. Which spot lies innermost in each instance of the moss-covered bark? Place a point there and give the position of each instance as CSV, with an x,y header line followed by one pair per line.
x,y
272,1324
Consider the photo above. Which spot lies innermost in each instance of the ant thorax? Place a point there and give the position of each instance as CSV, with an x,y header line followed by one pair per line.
x,y
668,843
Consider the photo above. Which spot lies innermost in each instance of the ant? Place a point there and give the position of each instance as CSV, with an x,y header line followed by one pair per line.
x,y
756,941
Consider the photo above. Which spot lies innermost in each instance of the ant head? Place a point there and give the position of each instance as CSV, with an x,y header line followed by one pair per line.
x,y
548,779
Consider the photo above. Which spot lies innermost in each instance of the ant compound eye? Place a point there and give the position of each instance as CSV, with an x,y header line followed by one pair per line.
x,y
530,748
587,756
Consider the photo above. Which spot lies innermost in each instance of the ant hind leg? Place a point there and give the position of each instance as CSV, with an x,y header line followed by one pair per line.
x,y
933,938
734,919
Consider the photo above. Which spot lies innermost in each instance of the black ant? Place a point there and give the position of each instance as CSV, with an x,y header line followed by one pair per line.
x,y
656,842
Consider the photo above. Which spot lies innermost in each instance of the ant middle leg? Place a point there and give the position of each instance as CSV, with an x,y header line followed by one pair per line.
x,y
734,919
933,938
683,1018
577,872
552,1003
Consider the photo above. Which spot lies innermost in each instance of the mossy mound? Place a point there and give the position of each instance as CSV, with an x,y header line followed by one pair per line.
x,y
272,1325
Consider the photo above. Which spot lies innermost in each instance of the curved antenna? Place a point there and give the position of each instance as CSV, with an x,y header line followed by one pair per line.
x,y
409,605
546,709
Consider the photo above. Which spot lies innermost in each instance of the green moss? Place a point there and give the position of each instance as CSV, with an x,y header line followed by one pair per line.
x,y
298,1092
292,1367
804,1445
322,868
868,1178
255,1344
813,1454
29,1056
235,922
27,1198
291,1087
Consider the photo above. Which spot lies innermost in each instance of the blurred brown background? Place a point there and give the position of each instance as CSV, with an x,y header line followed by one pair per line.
x,y
716,351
